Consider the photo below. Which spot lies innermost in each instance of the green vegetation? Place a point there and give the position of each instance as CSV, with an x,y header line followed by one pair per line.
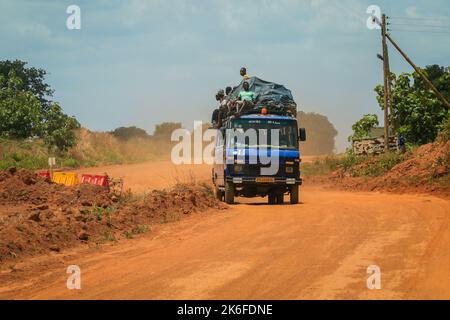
x,y
417,113
136,231
361,129
108,237
27,112
170,217
93,148
127,133
354,166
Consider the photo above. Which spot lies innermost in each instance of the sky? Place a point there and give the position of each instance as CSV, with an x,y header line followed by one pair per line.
x,y
143,62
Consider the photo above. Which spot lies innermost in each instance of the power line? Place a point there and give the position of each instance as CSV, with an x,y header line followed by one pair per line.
x,y
420,31
350,10
419,25
408,18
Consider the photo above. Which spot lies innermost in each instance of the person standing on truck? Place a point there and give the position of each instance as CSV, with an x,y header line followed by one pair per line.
x,y
245,98
244,74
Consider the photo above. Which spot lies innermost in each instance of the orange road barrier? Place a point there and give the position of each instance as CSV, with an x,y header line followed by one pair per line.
x,y
65,178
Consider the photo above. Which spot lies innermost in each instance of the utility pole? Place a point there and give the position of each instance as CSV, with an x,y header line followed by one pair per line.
x,y
427,81
387,89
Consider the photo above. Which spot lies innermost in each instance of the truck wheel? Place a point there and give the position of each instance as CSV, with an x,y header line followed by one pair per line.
x,y
272,198
229,193
294,194
218,194
280,198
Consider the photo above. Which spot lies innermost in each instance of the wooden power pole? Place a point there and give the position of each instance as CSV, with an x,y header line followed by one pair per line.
x,y
387,89
427,81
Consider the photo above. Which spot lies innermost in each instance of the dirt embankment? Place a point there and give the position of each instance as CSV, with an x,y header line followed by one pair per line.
x,y
426,170
37,216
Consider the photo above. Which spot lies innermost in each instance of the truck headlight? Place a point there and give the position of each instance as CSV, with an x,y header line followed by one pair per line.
x,y
237,180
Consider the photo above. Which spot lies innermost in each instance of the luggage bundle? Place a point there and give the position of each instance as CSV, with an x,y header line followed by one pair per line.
x,y
275,98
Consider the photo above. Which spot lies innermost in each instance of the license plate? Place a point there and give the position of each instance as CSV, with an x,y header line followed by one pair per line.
x,y
265,180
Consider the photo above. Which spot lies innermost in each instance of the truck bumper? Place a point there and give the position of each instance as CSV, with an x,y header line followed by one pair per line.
x,y
254,180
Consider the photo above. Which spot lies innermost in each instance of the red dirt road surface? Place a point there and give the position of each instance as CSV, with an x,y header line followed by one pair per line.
x,y
319,249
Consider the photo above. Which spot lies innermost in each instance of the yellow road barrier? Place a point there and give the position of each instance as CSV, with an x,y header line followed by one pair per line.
x,y
65,178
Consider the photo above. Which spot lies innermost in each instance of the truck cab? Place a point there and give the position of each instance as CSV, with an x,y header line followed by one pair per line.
x,y
257,155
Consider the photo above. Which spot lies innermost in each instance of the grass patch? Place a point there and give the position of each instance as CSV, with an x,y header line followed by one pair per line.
x,y
356,166
108,237
170,217
376,166
92,149
136,231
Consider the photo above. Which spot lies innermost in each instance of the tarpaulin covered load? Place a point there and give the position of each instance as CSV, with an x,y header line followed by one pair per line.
x,y
268,94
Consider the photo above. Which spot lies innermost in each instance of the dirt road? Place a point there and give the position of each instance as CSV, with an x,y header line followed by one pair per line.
x,y
318,249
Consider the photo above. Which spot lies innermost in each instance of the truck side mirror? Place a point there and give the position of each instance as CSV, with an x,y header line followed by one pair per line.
x,y
302,134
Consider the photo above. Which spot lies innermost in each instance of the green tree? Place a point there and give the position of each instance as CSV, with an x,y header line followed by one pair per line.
x,y
361,128
126,133
165,129
32,80
416,113
25,110
20,111
57,128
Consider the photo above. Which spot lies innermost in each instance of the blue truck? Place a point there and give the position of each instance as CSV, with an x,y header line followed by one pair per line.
x,y
265,164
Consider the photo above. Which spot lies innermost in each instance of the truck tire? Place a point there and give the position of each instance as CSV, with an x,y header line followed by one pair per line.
x,y
272,198
218,194
229,192
294,194
280,198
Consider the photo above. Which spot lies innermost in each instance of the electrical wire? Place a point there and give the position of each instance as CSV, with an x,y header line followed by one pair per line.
x,y
420,31
419,25
411,18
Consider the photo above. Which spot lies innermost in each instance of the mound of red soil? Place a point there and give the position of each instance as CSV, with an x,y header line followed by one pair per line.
x,y
38,216
25,187
430,160
425,171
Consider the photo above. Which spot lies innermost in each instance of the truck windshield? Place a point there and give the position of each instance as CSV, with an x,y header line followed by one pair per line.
x,y
258,134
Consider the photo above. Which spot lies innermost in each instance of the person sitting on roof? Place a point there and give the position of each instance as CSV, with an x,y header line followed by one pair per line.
x,y
245,98
218,113
244,74
228,91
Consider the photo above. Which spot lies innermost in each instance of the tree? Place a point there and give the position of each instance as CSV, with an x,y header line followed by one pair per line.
x,y
321,133
57,128
361,128
32,80
165,129
126,133
26,111
417,113
20,112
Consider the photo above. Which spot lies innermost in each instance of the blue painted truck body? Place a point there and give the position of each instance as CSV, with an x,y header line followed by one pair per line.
x,y
241,168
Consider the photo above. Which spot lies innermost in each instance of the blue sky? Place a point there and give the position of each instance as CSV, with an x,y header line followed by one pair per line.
x,y
143,62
